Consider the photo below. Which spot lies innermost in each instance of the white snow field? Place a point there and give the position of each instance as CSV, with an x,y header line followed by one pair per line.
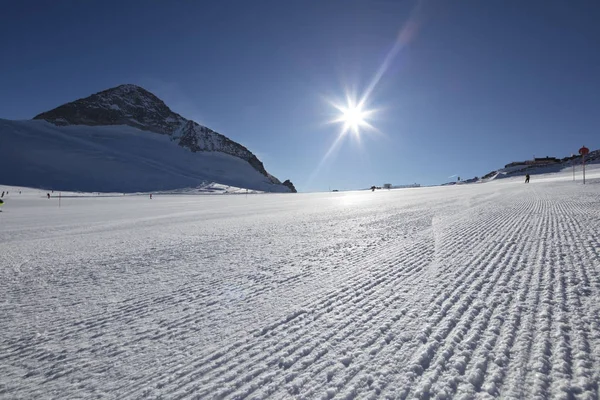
x,y
114,159
470,291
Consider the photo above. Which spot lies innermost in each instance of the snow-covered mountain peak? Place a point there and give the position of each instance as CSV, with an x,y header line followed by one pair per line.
x,y
134,106
133,96
122,105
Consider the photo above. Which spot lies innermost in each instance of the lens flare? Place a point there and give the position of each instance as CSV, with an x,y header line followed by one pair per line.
x,y
353,117
354,114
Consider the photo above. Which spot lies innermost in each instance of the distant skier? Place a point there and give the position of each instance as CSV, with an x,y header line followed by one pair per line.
x,y
150,196
527,178
48,194
2,194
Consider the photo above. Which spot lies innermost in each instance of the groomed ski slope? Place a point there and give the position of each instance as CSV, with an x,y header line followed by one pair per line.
x,y
472,291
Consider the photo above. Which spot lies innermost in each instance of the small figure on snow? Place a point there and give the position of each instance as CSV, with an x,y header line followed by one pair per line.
x,y
150,196
48,194
527,178
2,194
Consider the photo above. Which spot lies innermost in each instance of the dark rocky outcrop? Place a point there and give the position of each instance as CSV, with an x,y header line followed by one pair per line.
x,y
123,105
290,185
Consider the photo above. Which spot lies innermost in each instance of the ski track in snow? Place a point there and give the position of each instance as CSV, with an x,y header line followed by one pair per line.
x,y
477,291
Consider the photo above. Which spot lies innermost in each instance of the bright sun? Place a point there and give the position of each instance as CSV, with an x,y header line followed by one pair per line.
x,y
353,118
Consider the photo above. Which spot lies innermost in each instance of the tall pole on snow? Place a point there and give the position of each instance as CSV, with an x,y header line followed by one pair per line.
x,y
584,170
583,151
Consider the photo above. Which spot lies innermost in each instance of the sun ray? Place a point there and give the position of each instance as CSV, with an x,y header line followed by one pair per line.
x,y
334,146
354,115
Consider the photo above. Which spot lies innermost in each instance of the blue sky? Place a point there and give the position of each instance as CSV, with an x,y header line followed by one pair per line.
x,y
472,86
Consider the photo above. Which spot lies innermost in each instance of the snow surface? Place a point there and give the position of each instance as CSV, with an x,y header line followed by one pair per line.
x,y
114,159
468,291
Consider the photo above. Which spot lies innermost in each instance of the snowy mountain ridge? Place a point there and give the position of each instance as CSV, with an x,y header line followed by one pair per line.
x,y
125,139
117,158
134,106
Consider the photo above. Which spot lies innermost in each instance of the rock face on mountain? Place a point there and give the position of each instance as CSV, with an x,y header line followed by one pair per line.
x,y
134,106
290,185
123,105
